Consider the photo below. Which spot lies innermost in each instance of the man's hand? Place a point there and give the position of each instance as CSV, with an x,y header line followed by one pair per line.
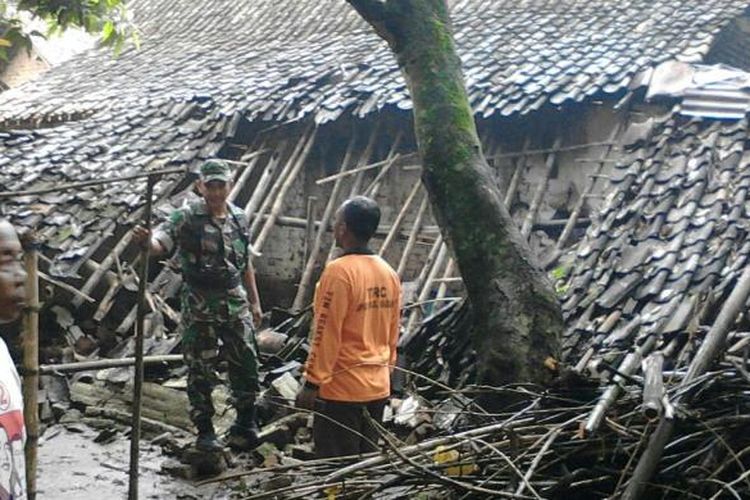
x,y
306,397
257,313
141,236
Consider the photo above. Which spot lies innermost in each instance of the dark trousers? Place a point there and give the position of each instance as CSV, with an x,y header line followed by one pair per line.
x,y
343,429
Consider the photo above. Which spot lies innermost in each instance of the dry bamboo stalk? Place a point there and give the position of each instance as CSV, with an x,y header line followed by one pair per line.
x,y
280,197
275,186
590,184
259,193
304,284
536,203
412,237
105,265
31,363
653,386
396,226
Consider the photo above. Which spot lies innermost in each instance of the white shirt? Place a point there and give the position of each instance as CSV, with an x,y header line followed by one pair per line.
x,y
12,430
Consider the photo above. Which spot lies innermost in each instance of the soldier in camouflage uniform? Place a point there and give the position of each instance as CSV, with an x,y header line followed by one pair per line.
x,y
219,302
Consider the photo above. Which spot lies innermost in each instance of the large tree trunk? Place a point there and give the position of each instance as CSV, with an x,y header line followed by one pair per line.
x,y
518,318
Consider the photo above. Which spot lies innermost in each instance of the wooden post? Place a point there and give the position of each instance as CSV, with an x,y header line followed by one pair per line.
x,y
536,203
312,259
31,362
135,434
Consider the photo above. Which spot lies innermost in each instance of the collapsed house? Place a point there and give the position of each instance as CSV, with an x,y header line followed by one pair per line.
x,y
584,110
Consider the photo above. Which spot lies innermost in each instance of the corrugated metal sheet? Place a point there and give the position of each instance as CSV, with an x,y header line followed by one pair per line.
x,y
720,101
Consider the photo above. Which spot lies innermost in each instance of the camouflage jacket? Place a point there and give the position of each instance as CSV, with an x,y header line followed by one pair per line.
x,y
213,255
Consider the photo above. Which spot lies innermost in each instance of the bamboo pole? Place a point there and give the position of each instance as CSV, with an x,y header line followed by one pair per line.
x,y
588,189
536,203
244,176
412,237
357,183
653,385
517,174
263,183
711,346
310,227
105,266
553,150
99,182
280,197
424,283
307,273
31,362
135,434
363,168
102,364
374,188
270,196
399,219
447,278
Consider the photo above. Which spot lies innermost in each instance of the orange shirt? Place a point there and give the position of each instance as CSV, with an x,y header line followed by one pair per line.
x,y
357,312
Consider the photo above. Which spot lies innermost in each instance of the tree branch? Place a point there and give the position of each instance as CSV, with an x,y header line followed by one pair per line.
x,y
370,10
377,13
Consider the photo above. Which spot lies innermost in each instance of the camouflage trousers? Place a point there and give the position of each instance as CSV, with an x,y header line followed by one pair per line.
x,y
204,346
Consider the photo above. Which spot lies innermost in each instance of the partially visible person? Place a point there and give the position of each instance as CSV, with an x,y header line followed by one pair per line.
x,y
357,311
12,429
219,303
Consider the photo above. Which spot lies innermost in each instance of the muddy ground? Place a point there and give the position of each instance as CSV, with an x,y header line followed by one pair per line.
x,y
74,467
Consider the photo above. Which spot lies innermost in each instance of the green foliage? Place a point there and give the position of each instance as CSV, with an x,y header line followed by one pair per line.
x,y
107,18
559,276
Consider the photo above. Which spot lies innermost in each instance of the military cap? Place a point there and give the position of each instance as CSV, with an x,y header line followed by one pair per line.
x,y
215,170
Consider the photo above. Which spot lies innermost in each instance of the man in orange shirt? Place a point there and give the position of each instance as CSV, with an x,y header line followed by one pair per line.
x,y
355,331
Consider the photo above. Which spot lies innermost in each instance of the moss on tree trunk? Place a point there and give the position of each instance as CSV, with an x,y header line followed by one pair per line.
x,y
518,321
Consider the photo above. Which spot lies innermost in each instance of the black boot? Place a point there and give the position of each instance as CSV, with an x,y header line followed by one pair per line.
x,y
243,434
207,440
